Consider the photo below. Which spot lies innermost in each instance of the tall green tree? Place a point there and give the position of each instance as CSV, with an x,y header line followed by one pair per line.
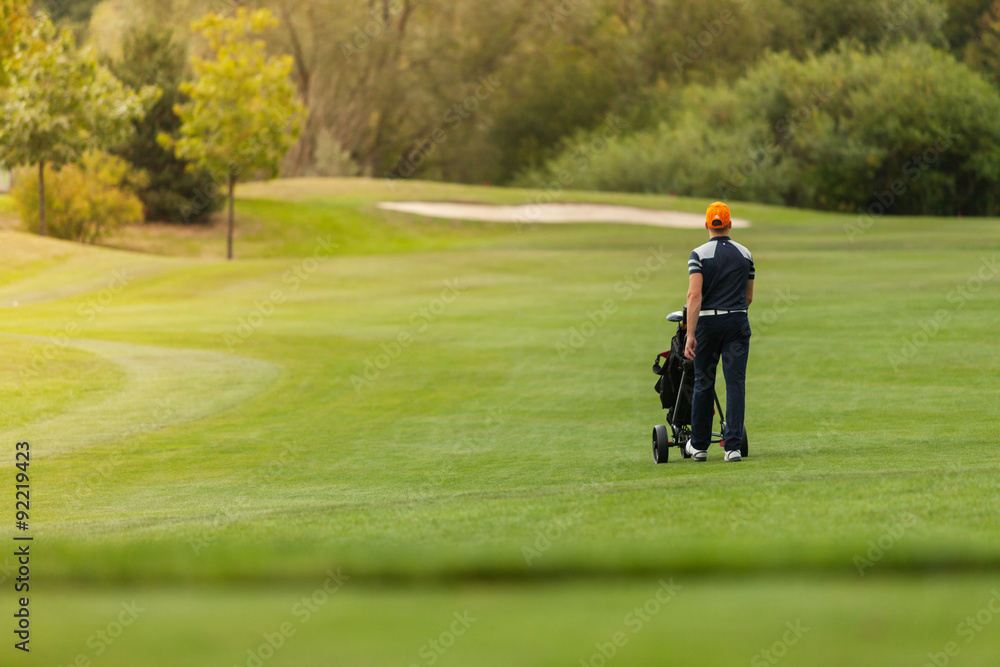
x,y
983,51
174,193
242,114
962,25
61,102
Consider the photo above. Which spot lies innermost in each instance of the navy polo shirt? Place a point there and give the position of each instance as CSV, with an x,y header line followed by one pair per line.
x,y
726,266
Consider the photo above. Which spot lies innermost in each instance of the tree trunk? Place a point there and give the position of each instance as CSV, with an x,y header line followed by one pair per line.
x,y
41,197
229,235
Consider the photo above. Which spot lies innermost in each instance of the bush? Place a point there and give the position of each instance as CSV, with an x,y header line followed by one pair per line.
x,y
331,158
85,202
834,132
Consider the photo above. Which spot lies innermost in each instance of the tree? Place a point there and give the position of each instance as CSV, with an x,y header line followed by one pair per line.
x,y
907,130
382,78
242,114
175,193
61,102
962,23
983,52
71,11
13,22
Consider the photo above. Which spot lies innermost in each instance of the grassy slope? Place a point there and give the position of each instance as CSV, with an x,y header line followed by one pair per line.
x,y
413,474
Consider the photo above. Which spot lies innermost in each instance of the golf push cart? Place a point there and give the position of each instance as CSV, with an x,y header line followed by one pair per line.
x,y
676,389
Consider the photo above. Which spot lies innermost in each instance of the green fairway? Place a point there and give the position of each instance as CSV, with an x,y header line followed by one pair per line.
x,y
431,405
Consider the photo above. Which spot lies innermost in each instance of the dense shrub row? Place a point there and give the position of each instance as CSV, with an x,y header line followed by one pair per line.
x,y
909,129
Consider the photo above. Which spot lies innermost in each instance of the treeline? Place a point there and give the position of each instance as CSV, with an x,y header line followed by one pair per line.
x,y
100,141
509,91
906,130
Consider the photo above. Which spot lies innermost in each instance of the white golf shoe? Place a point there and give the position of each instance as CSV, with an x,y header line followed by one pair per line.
x,y
734,456
699,455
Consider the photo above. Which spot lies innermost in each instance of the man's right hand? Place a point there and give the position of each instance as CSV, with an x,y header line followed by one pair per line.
x,y
690,345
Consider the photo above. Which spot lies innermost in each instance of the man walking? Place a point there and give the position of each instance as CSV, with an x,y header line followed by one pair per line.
x,y
720,290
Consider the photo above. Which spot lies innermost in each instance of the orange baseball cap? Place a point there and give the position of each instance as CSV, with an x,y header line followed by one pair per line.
x,y
717,216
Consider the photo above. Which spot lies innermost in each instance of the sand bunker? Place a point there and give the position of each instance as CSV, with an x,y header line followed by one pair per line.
x,y
553,213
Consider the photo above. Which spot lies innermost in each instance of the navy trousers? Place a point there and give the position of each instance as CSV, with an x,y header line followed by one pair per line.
x,y
726,336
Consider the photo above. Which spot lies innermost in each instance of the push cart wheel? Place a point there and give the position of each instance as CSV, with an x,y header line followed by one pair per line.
x,y
744,444
661,444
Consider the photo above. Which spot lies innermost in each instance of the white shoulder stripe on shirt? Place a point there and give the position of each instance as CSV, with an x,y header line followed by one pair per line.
x,y
706,251
743,250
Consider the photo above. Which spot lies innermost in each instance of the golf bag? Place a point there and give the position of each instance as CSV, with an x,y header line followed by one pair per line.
x,y
672,376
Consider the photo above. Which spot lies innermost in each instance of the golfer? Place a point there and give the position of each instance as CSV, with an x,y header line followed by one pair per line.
x,y
720,289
